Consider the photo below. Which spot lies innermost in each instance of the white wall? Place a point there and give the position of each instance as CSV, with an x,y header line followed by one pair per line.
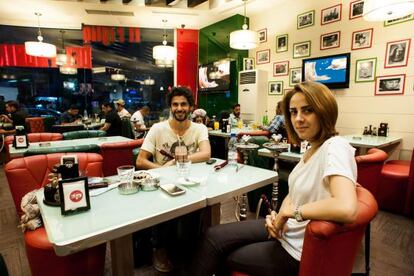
x,y
358,106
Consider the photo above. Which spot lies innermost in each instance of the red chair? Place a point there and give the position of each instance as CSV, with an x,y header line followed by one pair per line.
x,y
118,154
35,124
29,173
396,191
330,248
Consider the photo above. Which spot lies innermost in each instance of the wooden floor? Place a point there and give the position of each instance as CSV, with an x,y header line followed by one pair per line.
x,y
392,241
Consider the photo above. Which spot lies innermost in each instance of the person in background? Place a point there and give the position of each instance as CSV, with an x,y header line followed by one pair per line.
x,y
235,116
321,187
277,125
138,119
71,115
113,123
120,107
15,116
200,116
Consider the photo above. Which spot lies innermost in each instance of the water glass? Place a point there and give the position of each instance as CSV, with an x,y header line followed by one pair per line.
x,y
181,154
125,173
183,168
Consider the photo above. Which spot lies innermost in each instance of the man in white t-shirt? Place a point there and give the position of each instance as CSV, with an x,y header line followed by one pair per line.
x,y
120,107
235,116
137,119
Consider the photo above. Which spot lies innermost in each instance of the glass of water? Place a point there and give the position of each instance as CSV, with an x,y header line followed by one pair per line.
x,y
125,173
182,162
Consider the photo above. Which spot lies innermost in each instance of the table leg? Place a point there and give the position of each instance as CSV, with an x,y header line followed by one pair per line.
x,y
122,256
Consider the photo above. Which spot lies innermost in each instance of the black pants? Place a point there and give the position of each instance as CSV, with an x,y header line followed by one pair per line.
x,y
244,247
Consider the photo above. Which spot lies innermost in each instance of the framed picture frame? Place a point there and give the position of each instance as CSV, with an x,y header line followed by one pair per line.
x,y
362,39
356,9
331,14
295,76
305,19
282,43
248,63
398,20
74,195
397,52
330,40
263,56
262,35
365,70
275,88
302,49
281,68
389,85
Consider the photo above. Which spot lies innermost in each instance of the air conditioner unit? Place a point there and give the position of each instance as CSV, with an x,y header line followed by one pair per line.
x,y
253,94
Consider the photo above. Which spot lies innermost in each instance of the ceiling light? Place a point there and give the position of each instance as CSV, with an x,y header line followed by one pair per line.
x,y
381,10
67,70
244,39
62,57
39,48
164,55
117,77
149,81
166,63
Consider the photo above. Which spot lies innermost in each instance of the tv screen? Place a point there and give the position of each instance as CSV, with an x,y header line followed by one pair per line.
x,y
214,76
333,71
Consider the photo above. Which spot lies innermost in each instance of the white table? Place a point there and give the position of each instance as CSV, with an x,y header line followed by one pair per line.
x,y
67,143
365,142
219,133
288,156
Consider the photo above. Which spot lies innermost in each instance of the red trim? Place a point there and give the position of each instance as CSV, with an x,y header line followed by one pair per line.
x,y
353,39
121,34
326,48
257,57
137,35
350,9
390,93
406,56
340,14
281,62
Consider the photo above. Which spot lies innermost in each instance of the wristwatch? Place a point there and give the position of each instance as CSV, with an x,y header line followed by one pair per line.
x,y
297,214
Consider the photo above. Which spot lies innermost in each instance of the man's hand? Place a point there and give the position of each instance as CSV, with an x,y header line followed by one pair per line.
x,y
169,163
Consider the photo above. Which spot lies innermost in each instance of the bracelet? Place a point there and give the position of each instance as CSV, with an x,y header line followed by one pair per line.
x,y
298,214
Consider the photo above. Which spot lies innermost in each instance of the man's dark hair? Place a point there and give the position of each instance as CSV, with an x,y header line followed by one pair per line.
x,y
108,104
236,105
180,91
73,106
13,104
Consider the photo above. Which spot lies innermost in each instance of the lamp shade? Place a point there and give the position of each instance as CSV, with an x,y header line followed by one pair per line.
x,y
66,70
164,52
381,10
40,49
167,63
61,59
244,39
117,77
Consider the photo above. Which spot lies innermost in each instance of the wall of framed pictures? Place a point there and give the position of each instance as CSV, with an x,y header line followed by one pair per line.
x,y
381,85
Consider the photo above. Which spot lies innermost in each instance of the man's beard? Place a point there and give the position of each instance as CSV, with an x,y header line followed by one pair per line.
x,y
177,116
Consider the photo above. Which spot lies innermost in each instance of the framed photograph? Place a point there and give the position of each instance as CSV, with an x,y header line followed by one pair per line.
x,y
281,43
390,85
331,14
302,49
330,40
306,19
263,56
74,195
365,70
248,63
398,20
295,76
362,39
356,9
396,54
275,88
281,68
262,35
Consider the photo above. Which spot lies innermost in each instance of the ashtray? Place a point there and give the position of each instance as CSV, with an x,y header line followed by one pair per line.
x,y
150,184
128,188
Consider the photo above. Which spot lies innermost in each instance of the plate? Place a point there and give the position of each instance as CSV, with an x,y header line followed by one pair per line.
x,y
152,174
189,181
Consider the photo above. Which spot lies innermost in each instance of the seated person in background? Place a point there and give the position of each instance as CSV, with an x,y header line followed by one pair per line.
x,y
235,116
113,123
138,119
120,107
321,187
199,116
15,116
277,125
71,115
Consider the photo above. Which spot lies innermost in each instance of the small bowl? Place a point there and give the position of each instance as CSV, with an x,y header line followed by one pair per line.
x,y
150,184
128,188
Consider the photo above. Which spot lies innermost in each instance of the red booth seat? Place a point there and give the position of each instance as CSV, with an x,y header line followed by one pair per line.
x,y
35,124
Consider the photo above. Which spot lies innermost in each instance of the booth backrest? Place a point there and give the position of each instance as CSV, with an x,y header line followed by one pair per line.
x,y
127,129
29,173
80,148
81,134
35,124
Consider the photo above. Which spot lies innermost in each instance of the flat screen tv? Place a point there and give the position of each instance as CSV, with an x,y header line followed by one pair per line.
x,y
214,76
333,71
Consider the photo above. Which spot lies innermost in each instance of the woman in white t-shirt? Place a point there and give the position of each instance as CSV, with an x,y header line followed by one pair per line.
x,y
321,187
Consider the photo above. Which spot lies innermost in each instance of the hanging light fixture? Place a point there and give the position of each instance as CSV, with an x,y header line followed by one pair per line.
x,y
381,10
68,70
39,48
244,39
149,81
62,57
117,76
164,55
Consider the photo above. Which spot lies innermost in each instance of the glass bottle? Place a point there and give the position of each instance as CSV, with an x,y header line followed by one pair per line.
x,y
374,131
365,131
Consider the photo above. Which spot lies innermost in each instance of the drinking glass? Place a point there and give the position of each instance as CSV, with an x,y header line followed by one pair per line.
x,y
240,123
216,125
182,162
125,173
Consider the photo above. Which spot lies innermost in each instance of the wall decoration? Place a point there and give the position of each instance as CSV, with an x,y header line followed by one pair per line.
x,y
397,52
280,68
362,39
248,63
398,20
306,19
263,56
281,43
331,14
301,49
275,88
365,70
356,9
330,40
390,85
295,76
262,35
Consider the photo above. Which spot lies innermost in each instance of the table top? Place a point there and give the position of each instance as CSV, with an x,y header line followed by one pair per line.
x,y
288,155
368,141
233,130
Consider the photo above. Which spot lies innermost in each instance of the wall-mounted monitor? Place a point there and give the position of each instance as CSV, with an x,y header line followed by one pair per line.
x,y
333,71
214,76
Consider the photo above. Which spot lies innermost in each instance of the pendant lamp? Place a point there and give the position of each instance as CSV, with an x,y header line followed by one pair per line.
x,y
382,10
62,58
68,70
164,55
244,39
39,48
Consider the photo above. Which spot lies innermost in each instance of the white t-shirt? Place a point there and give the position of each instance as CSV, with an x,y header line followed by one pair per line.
x,y
138,118
124,113
308,183
163,137
233,120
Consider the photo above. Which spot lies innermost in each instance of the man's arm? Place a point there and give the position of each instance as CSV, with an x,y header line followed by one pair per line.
x,y
6,119
203,154
7,132
143,161
106,126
